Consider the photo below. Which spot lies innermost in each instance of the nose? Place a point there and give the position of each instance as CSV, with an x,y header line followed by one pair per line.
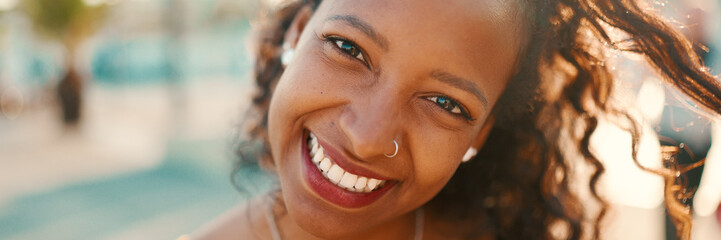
x,y
371,124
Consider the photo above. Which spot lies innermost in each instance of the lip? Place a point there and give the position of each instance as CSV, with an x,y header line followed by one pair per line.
x,y
334,194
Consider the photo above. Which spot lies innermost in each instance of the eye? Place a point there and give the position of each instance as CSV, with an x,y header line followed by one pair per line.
x,y
451,106
349,48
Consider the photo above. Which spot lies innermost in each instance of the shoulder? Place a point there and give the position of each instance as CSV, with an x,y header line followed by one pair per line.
x,y
246,221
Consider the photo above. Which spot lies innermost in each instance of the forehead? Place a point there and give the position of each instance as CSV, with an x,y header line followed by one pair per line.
x,y
459,34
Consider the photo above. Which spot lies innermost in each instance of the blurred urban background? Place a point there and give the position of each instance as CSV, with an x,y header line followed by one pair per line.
x,y
119,117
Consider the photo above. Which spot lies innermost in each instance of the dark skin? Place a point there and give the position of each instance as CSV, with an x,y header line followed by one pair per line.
x,y
365,73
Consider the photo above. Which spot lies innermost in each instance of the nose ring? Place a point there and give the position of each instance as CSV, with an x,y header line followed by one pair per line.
x,y
394,153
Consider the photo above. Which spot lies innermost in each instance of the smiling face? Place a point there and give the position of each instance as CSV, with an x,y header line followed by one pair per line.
x,y
365,73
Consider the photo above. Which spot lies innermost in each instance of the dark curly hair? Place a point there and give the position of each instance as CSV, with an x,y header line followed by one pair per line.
x,y
544,120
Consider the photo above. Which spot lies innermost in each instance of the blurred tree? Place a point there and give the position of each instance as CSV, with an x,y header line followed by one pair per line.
x,y
70,22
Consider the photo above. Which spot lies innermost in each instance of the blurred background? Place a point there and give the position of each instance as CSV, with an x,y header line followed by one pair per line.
x,y
119,117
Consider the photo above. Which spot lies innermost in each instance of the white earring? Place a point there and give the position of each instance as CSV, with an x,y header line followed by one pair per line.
x,y
287,55
469,154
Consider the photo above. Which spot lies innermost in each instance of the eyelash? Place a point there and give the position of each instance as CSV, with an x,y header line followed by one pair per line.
x,y
346,47
444,102
451,106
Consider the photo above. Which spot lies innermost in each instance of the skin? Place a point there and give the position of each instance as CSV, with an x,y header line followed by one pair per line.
x,y
419,49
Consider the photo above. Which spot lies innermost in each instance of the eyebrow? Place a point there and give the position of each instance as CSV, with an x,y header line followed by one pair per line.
x,y
364,27
460,83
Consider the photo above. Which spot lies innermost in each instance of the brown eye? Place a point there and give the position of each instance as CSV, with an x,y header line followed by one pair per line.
x,y
349,48
449,105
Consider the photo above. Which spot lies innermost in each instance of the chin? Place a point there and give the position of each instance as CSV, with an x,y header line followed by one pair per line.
x,y
321,221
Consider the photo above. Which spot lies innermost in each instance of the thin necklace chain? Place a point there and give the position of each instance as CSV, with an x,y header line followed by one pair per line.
x,y
275,232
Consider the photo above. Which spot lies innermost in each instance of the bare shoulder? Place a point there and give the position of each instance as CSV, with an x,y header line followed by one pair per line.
x,y
246,221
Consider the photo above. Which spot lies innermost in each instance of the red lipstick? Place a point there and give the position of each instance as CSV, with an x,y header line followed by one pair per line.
x,y
333,193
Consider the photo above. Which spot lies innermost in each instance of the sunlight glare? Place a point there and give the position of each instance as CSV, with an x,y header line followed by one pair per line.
x,y
7,4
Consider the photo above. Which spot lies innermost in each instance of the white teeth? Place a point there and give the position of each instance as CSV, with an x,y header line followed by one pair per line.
x,y
325,165
318,156
314,142
372,183
360,184
335,173
375,185
314,149
348,180
338,175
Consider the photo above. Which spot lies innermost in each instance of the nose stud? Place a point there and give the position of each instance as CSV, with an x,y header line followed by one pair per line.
x,y
395,152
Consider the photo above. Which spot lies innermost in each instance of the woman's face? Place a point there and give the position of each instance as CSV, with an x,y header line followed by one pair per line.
x,y
423,73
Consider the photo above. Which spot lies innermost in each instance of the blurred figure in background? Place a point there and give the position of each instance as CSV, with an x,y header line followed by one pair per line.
x,y
680,126
70,22
151,91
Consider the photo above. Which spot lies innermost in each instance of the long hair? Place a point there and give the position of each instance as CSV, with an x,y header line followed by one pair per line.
x,y
518,186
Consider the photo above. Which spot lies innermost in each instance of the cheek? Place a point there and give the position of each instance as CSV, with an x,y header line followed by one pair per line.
x,y
435,168
435,161
304,87
287,105
431,175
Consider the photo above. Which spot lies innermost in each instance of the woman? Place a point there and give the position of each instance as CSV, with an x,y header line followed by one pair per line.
x,y
371,113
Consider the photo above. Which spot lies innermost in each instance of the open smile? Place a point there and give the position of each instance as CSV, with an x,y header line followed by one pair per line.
x,y
334,179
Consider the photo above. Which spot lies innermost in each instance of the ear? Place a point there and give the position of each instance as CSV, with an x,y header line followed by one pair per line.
x,y
296,27
485,130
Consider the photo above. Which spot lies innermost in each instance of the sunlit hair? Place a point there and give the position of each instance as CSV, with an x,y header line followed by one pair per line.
x,y
519,185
